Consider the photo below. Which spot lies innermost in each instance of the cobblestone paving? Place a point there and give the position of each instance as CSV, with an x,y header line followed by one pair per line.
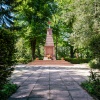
x,y
50,83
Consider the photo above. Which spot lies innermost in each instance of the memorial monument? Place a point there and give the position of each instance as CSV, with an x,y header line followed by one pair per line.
x,y
49,53
49,49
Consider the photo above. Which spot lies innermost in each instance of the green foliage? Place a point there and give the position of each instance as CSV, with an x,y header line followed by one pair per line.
x,y
77,60
83,17
95,46
7,50
7,90
93,84
33,17
94,64
63,51
23,60
23,52
6,16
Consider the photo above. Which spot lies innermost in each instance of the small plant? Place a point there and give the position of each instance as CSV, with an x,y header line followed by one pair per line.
x,y
7,90
94,64
93,84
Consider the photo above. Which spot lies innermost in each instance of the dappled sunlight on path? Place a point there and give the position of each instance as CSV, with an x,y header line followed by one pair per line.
x,y
50,82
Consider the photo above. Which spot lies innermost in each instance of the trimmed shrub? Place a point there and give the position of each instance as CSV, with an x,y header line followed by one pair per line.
x,y
95,45
6,55
77,60
94,64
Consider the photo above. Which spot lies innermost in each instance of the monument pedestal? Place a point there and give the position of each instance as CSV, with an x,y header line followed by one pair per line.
x,y
49,49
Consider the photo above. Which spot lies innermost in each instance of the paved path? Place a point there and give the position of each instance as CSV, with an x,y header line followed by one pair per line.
x,y
50,83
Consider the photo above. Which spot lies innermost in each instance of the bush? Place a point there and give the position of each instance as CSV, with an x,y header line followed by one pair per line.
x,y
94,64
93,84
7,90
6,55
23,60
95,46
77,60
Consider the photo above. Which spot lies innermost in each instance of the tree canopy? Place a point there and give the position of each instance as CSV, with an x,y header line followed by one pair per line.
x,y
75,25
6,14
34,15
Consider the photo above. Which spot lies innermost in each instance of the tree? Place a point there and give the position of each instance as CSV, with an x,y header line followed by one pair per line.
x,y
86,21
7,41
23,53
60,29
6,15
7,50
81,18
36,14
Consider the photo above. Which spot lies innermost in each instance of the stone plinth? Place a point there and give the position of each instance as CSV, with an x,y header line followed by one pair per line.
x,y
49,49
50,62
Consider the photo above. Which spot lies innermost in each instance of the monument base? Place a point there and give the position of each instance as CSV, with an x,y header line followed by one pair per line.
x,y
50,62
46,58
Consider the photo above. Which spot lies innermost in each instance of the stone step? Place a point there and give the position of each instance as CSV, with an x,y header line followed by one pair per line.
x,y
50,62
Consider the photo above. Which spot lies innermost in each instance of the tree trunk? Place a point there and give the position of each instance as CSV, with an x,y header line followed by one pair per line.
x,y
38,49
56,45
72,51
33,47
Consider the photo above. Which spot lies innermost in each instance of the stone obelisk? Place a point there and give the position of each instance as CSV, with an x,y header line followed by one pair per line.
x,y
49,49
